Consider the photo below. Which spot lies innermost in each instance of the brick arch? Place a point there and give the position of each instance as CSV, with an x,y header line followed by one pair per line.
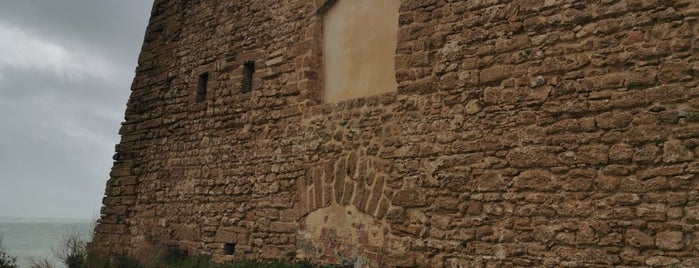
x,y
352,179
343,202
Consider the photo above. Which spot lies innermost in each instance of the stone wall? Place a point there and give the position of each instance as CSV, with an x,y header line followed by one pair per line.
x,y
523,133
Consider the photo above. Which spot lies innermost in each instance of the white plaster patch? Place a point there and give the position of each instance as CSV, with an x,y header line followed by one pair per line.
x,y
342,234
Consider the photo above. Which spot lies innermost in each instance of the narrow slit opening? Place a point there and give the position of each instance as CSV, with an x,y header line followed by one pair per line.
x,y
201,89
248,71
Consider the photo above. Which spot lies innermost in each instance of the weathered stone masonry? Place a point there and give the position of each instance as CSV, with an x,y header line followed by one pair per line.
x,y
523,133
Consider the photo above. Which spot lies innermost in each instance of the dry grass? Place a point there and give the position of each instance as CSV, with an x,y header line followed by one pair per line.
x,y
40,263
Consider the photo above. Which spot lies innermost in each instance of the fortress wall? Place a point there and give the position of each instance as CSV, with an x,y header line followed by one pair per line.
x,y
523,133
184,167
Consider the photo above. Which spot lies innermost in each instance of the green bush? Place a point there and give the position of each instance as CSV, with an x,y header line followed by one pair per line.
x,y
72,251
6,260
40,263
205,262
116,261
123,261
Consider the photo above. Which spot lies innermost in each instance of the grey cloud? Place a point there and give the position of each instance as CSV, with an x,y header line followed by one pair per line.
x,y
59,117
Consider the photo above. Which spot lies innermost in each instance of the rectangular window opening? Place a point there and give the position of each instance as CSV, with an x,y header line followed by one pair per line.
x,y
229,248
248,71
201,89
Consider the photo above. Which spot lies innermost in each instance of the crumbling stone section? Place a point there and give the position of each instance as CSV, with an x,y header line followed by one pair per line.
x,y
523,133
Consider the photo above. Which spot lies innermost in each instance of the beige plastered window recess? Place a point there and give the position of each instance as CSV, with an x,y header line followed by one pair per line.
x,y
358,48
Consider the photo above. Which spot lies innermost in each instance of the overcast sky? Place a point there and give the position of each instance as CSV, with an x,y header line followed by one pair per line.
x,y
66,67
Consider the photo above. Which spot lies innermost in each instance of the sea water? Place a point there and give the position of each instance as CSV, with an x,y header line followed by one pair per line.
x,y
37,238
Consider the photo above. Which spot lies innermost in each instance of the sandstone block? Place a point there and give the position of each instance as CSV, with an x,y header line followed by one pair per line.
x,y
632,255
673,71
593,154
643,77
468,78
670,240
361,197
490,181
638,239
610,120
689,263
621,153
473,107
661,261
537,180
666,93
474,208
654,212
492,95
283,227
495,74
275,61
408,198
674,151
446,204
616,170
238,235
579,180
612,239
120,171
607,81
646,154
692,213
532,156
673,170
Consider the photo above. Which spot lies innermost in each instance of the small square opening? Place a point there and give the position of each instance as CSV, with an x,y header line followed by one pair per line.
x,y
229,248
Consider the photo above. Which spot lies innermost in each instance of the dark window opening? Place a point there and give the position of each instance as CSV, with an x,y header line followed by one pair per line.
x,y
201,90
229,248
325,7
175,253
248,71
